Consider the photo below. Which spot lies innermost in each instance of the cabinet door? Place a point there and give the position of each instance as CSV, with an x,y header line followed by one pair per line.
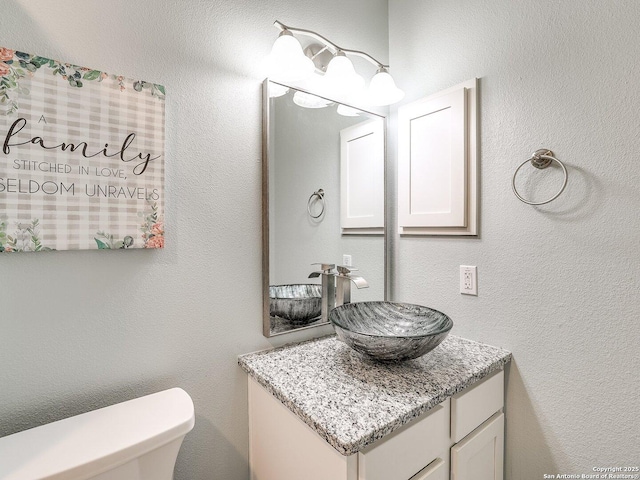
x,y
432,162
362,178
437,167
434,471
282,447
480,455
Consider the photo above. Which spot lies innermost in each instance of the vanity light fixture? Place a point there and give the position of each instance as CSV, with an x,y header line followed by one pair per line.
x,y
338,79
341,77
383,90
287,61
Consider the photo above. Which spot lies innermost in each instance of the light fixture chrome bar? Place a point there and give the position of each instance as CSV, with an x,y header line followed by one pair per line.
x,y
324,40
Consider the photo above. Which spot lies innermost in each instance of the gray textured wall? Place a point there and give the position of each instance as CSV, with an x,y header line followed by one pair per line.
x,y
81,330
558,284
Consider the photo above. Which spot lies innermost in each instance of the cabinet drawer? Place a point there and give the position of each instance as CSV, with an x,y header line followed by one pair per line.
x,y
434,471
474,405
403,453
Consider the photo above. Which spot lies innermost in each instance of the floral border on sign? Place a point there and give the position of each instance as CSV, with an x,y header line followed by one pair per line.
x,y
25,239
107,242
15,65
153,229
152,233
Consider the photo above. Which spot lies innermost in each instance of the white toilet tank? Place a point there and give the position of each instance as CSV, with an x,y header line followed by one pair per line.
x,y
134,440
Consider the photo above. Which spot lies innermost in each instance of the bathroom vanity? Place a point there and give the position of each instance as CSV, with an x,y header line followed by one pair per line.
x,y
318,410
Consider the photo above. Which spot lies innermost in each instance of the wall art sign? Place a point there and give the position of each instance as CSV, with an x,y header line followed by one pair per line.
x,y
82,157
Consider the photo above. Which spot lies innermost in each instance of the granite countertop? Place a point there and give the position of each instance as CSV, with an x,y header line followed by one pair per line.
x,y
351,401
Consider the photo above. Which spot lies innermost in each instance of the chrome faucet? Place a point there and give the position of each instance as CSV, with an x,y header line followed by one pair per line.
x,y
343,284
328,287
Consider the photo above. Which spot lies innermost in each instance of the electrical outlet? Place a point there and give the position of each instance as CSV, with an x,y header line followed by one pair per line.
x,y
468,280
346,261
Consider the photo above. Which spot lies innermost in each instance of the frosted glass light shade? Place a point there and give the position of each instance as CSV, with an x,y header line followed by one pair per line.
x,y
341,78
287,62
383,90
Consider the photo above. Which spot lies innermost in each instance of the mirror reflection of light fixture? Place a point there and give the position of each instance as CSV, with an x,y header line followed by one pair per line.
x,y
287,62
307,100
347,111
340,81
277,90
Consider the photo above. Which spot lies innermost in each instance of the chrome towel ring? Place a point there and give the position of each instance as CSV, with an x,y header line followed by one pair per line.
x,y
540,159
320,195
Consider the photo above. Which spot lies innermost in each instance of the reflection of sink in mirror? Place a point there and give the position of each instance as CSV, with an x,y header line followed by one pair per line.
x,y
298,305
390,332
313,149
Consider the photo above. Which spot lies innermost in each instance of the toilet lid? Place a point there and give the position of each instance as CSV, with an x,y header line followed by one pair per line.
x,y
92,443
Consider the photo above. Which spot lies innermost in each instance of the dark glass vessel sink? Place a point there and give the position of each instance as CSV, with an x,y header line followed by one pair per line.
x,y
298,304
390,332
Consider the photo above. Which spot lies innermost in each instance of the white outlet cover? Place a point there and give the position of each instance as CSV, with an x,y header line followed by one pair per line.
x,y
468,280
346,261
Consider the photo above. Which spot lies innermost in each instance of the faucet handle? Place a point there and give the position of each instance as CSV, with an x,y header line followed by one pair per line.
x,y
344,270
325,267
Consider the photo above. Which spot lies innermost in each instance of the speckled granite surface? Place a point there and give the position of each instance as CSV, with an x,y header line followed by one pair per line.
x,y
350,401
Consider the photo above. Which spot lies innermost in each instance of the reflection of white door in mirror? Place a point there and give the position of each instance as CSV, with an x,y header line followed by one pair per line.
x,y
362,178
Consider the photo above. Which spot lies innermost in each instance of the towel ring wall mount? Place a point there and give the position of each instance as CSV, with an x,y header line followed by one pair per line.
x,y
319,194
540,159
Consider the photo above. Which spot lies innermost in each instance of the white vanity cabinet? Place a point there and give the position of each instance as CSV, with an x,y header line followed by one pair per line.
x,y
477,430
462,439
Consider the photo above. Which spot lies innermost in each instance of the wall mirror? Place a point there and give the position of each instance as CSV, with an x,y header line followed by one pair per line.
x,y
323,201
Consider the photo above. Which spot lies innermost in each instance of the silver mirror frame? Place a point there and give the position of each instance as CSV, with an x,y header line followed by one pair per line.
x,y
266,318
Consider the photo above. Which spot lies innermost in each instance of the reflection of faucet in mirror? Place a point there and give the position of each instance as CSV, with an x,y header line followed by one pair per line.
x,y
343,284
328,287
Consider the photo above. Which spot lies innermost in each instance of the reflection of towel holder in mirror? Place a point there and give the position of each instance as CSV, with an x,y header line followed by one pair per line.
x,y
540,159
320,195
